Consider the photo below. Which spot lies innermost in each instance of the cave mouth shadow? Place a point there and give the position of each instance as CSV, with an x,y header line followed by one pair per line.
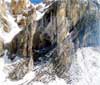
x,y
42,47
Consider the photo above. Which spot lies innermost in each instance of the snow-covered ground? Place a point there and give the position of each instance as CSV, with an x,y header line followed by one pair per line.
x,y
84,70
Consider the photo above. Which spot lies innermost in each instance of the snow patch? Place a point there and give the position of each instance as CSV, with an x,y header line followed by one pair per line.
x,y
8,36
7,1
39,15
58,81
85,68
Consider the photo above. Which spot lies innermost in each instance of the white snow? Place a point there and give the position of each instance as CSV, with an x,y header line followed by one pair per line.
x,y
58,81
41,12
98,1
8,36
8,1
2,74
39,15
84,70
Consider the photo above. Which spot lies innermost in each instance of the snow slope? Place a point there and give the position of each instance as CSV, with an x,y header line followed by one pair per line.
x,y
84,70
8,36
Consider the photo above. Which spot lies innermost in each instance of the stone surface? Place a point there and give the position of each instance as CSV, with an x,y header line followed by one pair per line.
x,y
51,40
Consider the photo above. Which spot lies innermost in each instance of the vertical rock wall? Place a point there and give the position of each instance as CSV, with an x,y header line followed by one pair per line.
x,y
61,22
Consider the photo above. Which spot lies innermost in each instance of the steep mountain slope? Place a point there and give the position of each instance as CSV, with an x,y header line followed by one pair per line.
x,y
50,43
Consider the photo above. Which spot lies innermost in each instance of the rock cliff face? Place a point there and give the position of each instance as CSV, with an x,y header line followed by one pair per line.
x,y
53,28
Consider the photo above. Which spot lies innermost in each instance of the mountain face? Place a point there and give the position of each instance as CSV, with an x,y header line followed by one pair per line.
x,y
49,41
